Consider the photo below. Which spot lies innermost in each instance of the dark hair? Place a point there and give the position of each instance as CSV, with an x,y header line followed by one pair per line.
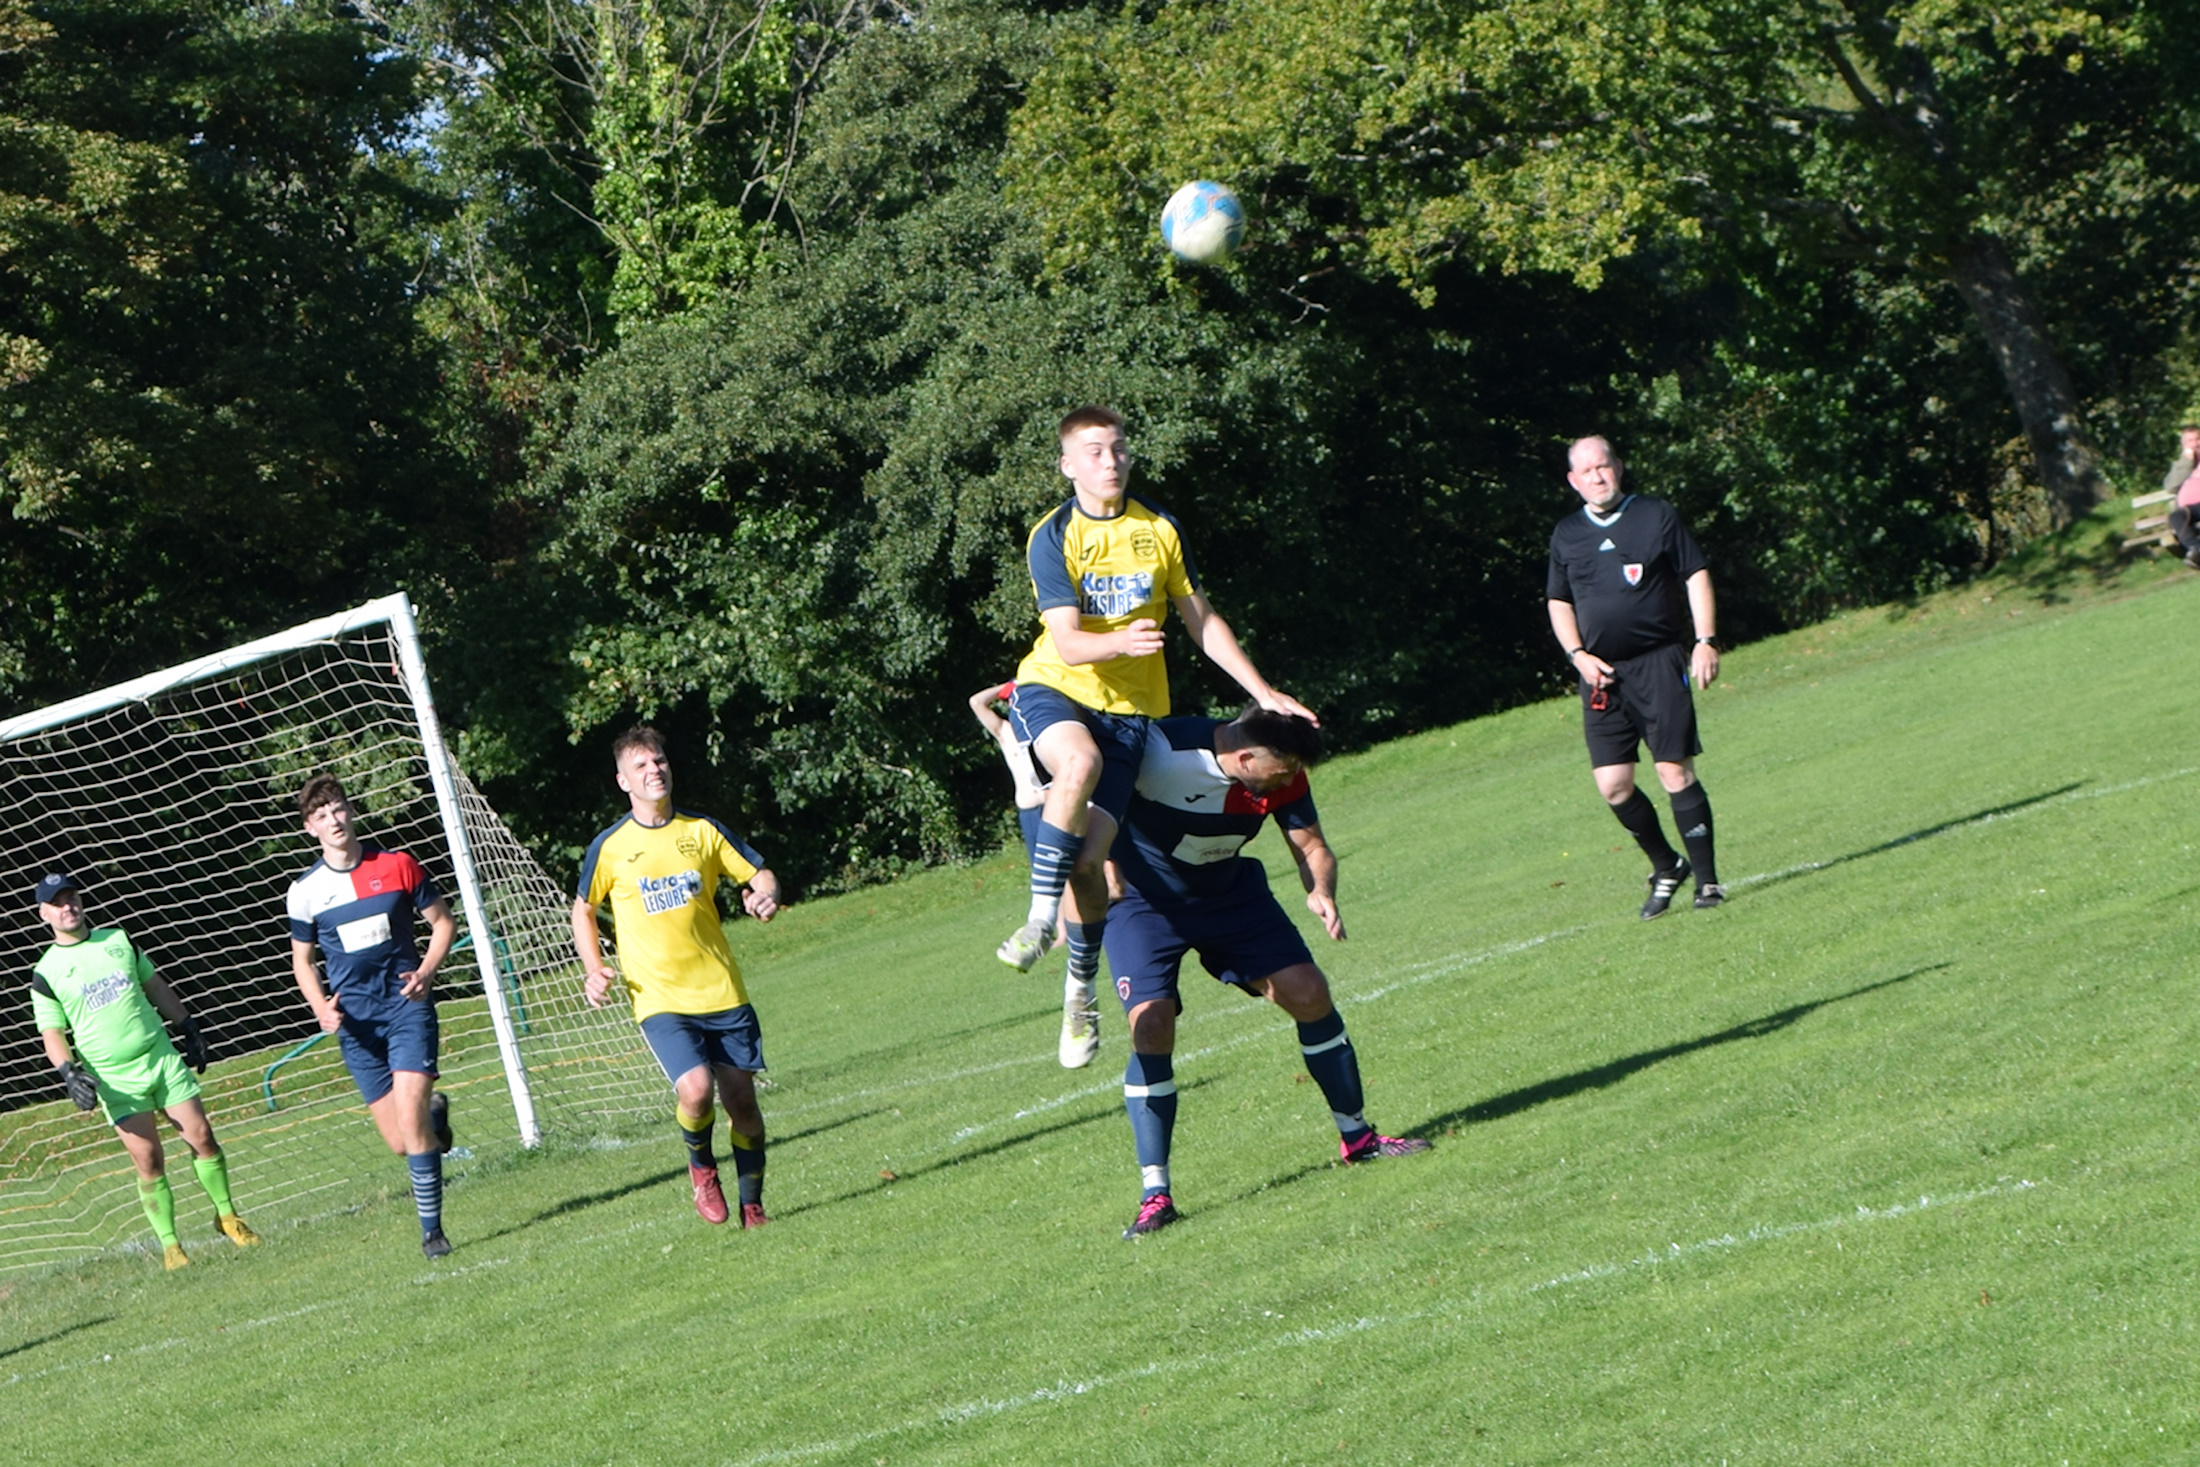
x,y
640,736
1092,415
322,789
1285,734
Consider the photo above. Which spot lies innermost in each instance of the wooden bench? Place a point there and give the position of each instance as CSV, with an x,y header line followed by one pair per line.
x,y
2152,529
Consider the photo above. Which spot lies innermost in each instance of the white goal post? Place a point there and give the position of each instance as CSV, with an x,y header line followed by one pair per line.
x,y
172,797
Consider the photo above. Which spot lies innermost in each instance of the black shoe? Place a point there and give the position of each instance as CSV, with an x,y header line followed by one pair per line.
x,y
1709,894
435,1245
1662,886
439,1120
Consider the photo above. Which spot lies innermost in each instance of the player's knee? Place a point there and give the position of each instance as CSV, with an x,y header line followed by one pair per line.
x,y
1300,991
1153,1027
1676,777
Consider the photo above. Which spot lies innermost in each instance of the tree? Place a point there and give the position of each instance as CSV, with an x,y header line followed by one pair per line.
x,y
216,415
1922,137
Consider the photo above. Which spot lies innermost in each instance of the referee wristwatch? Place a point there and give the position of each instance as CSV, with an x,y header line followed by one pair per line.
x,y
1711,641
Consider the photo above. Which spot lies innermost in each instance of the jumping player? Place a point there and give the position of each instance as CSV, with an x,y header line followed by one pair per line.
x,y
1627,588
1106,565
94,986
660,869
1080,1039
1204,789
358,904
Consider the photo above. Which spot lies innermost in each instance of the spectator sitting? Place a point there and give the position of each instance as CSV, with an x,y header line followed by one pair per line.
x,y
2183,479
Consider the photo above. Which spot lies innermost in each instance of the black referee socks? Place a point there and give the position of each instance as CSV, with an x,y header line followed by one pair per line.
x,y
1692,813
1641,819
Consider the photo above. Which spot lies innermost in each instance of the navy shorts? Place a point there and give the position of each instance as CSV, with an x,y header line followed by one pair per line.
x,y
730,1037
402,1038
1649,703
1240,939
1033,709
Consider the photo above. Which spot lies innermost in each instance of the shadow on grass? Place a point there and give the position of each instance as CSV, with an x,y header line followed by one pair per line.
x,y
59,1334
868,1062
1513,1102
642,1184
960,1158
1992,812
572,1205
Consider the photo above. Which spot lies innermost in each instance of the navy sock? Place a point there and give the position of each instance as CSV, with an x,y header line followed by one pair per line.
x,y
1149,1094
427,1184
1641,819
1053,857
1692,813
1330,1060
748,1166
1084,950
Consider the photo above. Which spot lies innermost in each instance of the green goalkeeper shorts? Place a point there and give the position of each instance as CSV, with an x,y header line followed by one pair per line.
x,y
150,1082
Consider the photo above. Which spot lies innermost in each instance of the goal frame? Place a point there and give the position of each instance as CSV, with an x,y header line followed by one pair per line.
x,y
394,611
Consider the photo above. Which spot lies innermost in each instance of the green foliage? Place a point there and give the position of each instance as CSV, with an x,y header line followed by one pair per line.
x,y
215,401
793,527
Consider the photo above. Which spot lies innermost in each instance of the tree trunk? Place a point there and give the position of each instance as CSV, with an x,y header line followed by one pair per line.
x,y
2037,382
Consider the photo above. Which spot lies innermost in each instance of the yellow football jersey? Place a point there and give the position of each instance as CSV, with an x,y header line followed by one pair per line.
x,y
662,884
1114,572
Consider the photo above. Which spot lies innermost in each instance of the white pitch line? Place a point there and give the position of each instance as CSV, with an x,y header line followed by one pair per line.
x,y
1977,820
1065,1391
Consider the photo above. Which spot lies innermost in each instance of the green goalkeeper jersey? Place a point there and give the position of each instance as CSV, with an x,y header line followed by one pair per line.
x,y
95,989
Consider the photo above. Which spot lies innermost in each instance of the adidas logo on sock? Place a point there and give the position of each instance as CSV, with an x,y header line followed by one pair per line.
x,y
1692,834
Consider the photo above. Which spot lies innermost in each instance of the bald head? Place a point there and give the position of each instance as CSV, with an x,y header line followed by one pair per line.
x,y
1594,470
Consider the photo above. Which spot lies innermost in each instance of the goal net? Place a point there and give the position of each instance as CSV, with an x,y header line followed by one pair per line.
x,y
172,799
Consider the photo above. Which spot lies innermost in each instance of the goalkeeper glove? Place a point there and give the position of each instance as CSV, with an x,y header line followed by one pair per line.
x,y
78,1082
194,1045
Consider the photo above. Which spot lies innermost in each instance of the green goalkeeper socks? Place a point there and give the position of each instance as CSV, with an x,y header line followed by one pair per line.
x,y
159,1201
213,1172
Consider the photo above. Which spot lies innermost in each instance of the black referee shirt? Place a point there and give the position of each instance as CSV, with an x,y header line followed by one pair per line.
x,y
1626,576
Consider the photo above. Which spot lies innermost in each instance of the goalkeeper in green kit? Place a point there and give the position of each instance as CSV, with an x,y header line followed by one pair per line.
x,y
92,985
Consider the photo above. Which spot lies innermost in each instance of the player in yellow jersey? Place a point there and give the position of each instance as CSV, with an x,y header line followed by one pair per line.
x,y
1106,566
660,868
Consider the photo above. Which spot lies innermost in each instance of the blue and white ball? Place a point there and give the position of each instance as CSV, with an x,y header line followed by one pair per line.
x,y
1203,222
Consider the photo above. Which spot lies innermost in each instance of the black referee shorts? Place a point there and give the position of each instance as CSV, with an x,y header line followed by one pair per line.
x,y
1647,702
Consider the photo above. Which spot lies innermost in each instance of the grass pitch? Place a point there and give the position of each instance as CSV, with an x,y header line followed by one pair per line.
x,y
1892,1157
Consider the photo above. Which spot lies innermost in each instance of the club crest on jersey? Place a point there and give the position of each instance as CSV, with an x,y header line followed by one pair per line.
x,y
1114,595
1144,545
1633,574
690,847
668,893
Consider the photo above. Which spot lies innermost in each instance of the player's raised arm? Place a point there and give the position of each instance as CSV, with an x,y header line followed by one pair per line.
x,y
1078,647
1214,637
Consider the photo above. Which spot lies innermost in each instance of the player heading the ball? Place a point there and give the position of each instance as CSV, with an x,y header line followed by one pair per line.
x,y
358,905
660,869
1106,566
93,984
1204,789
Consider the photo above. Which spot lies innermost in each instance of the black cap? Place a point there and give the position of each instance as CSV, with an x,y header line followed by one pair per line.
x,y
52,884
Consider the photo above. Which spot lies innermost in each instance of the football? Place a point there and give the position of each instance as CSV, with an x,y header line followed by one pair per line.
x,y
1203,222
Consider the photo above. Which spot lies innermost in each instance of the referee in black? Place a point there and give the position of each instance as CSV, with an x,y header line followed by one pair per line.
x,y
1628,590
